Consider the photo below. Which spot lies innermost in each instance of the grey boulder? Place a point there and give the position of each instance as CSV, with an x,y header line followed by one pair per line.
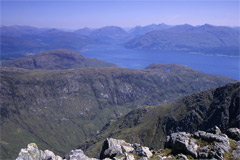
x,y
234,133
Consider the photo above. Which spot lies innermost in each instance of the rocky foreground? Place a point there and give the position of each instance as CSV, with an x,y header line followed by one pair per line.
x,y
212,144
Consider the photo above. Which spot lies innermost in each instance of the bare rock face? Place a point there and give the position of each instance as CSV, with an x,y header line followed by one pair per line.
x,y
129,157
114,148
196,144
77,154
33,153
30,153
182,142
142,151
236,152
234,133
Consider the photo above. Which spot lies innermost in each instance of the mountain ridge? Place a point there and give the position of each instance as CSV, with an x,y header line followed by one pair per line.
x,y
149,125
57,59
206,39
19,41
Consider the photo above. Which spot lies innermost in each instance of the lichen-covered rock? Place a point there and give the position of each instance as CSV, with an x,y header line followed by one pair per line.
x,y
33,153
213,145
127,149
112,148
236,152
48,154
143,158
214,130
181,142
30,153
203,152
210,137
115,148
118,158
142,151
181,156
129,157
220,143
113,151
234,133
77,154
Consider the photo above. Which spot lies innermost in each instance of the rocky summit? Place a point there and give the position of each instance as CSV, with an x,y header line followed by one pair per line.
x,y
212,144
205,145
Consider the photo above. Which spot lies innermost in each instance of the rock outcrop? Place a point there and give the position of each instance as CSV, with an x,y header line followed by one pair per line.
x,y
212,144
77,154
115,148
33,153
236,152
203,145
234,133
182,142
111,149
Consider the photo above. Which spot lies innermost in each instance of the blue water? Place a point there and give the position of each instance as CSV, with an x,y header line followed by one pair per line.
x,y
134,59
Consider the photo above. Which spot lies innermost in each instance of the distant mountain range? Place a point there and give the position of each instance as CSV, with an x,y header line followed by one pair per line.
x,y
206,39
109,35
57,59
19,41
59,109
141,30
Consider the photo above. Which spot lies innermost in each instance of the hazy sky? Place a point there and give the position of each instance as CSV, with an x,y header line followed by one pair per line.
x,y
75,14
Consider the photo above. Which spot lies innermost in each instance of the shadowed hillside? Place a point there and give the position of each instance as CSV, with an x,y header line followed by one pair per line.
x,y
150,125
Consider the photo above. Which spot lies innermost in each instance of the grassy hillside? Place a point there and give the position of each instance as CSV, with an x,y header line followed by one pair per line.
x,y
59,109
150,125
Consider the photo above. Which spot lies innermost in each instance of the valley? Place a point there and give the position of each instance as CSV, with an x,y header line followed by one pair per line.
x,y
59,109
149,126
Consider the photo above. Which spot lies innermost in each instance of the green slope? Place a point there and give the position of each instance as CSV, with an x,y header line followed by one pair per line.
x,y
59,109
149,126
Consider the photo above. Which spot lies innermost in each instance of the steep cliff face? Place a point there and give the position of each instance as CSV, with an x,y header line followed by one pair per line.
x,y
58,109
150,125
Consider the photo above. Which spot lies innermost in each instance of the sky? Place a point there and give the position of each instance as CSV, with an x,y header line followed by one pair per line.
x,y
75,14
